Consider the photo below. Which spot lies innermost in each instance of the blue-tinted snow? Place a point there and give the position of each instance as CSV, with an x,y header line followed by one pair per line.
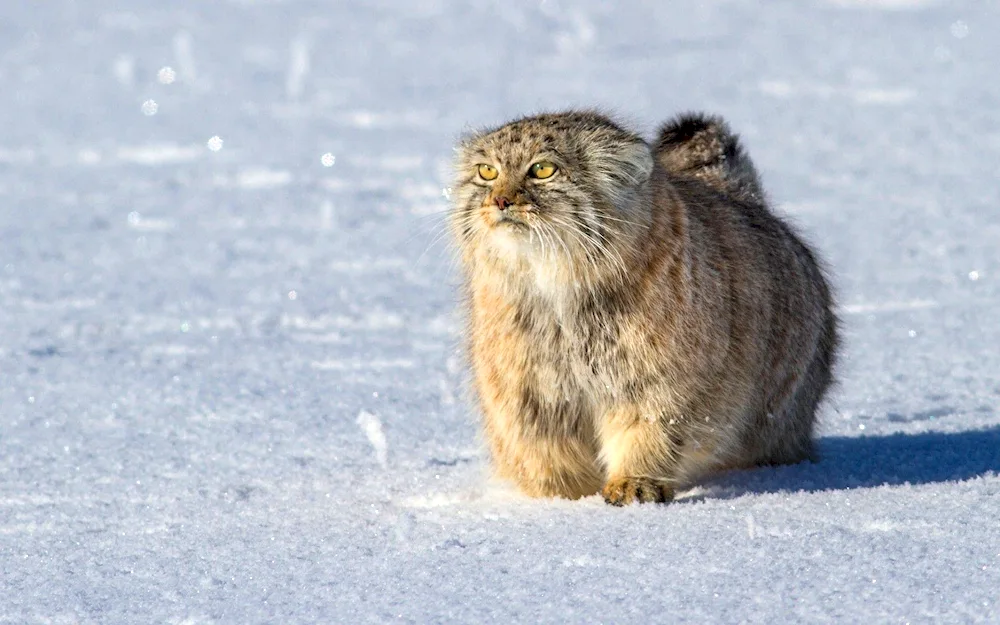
x,y
229,384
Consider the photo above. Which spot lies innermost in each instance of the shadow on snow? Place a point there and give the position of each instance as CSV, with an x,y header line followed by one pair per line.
x,y
868,461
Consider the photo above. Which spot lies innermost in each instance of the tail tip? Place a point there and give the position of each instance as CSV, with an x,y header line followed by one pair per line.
x,y
702,146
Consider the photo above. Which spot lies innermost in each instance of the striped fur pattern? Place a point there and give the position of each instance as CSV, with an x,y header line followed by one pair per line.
x,y
641,317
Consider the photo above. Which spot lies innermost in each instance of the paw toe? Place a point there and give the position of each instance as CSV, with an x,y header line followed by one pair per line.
x,y
625,491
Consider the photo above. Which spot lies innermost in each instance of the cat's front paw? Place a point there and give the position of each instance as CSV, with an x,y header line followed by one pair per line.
x,y
623,491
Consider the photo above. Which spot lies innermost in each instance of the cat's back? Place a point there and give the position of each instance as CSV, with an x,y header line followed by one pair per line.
x,y
705,167
756,256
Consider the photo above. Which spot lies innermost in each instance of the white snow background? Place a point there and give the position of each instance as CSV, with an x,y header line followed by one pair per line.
x,y
230,384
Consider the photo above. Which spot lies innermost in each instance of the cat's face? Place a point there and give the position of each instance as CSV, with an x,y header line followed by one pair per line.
x,y
553,187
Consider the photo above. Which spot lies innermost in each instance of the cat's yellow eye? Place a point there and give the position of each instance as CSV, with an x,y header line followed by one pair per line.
x,y
542,170
487,172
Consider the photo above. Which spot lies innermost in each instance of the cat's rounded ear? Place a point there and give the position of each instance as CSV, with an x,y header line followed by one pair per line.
x,y
636,160
464,143
465,152
621,165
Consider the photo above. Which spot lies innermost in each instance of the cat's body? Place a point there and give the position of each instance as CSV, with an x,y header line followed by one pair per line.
x,y
637,317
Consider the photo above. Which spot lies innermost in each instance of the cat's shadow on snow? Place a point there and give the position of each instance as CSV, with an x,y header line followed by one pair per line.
x,y
868,461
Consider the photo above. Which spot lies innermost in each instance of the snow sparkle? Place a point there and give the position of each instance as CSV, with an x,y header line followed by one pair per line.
x,y
166,75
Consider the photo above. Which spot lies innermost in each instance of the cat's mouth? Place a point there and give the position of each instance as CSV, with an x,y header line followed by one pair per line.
x,y
511,217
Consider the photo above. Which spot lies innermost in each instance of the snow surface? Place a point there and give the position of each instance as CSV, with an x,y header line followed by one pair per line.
x,y
229,382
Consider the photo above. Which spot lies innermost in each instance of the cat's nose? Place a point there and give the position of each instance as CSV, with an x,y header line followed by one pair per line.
x,y
502,202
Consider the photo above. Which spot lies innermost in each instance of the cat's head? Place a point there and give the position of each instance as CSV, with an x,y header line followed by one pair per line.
x,y
553,188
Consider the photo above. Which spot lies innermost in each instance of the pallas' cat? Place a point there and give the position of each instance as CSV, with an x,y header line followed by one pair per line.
x,y
636,314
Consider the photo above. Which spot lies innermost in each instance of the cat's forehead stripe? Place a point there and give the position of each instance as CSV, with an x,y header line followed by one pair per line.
x,y
548,136
547,127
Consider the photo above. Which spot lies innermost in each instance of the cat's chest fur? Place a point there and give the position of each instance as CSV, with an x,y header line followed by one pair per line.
x,y
577,338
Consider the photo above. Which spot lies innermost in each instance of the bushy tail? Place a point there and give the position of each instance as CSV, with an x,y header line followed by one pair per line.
x,y
702,146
